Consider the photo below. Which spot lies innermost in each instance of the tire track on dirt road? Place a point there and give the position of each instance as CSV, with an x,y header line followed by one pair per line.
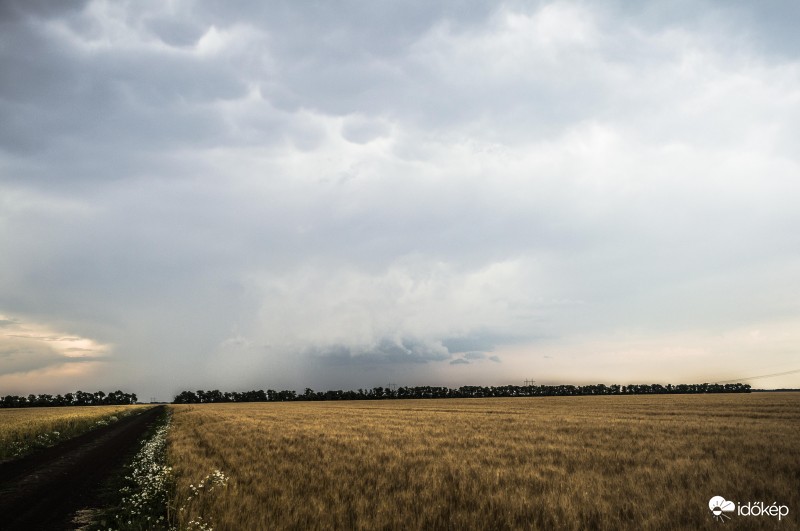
x,y
44,491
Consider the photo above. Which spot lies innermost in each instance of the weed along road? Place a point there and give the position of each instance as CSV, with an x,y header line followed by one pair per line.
x,y
45,490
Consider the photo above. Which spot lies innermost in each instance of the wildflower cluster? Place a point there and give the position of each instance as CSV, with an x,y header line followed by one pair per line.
x,y
106,422
199,524
216,479
144,501
42,440
147,497
18,448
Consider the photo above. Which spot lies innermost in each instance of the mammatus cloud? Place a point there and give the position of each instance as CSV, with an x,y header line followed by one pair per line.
x,y
301,195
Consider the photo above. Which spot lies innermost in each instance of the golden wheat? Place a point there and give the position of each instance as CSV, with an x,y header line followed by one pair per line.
x,y
610,462
25,427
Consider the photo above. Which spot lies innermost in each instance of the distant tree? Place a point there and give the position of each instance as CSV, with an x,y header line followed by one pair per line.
x,y
186,397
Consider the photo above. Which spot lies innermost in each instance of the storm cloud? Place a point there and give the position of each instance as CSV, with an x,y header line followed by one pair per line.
x,y
260,194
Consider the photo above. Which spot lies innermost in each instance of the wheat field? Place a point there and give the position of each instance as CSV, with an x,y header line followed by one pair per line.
x,y
23,429
606,462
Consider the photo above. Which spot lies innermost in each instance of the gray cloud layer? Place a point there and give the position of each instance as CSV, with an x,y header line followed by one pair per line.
x,y
237,194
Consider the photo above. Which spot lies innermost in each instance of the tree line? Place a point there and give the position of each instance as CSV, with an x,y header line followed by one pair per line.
x,y
78,398
468,391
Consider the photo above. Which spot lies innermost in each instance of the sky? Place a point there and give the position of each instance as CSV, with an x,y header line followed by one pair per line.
x,y
340,195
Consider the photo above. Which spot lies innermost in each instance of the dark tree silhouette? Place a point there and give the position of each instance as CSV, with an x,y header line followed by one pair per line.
x,y
470,391
79,398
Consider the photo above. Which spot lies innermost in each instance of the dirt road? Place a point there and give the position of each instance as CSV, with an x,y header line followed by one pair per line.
x,y
44,491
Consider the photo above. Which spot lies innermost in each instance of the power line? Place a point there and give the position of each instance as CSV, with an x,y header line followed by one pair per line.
x,y
762,376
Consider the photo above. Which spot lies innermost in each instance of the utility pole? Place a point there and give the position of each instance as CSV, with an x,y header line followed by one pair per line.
x,y
529,383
